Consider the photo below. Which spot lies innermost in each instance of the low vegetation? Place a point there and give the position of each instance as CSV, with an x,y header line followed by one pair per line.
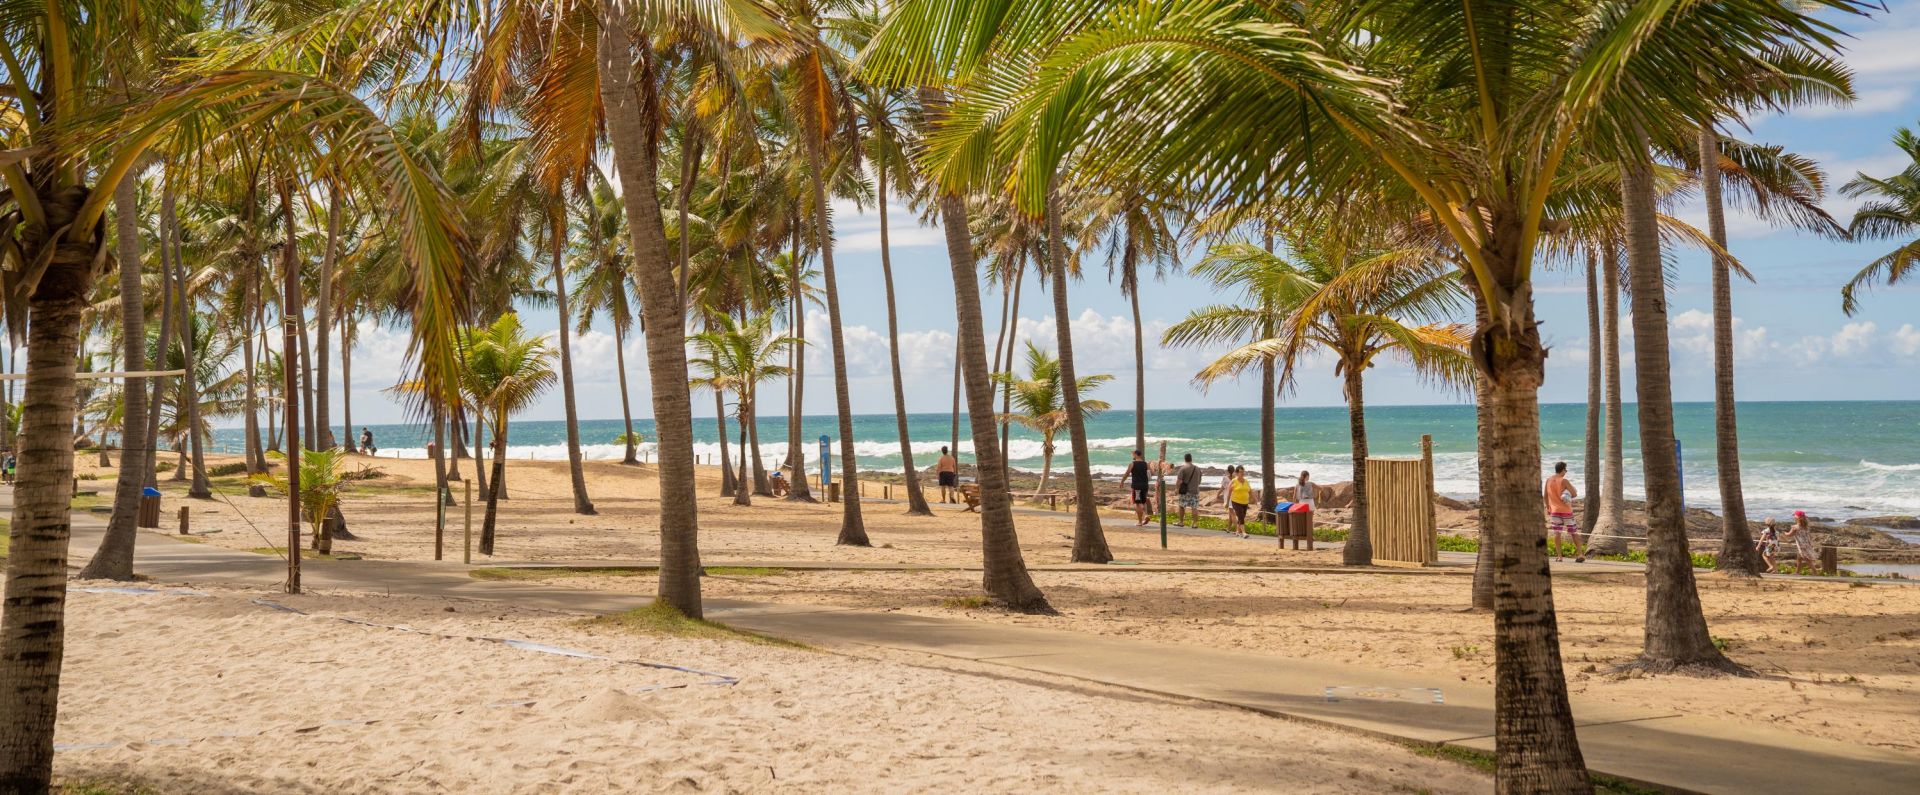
x,y
560,572
661,619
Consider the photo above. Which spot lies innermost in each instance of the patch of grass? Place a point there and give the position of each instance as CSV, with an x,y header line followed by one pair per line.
x,y
558,572
743,571
103,787
305,554
1464,652
85,502
1723,644
660,619
1448,542
964,602
1485,763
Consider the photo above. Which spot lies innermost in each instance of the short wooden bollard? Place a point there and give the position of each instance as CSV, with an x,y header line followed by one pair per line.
x,y
183,520
466,556
1829,560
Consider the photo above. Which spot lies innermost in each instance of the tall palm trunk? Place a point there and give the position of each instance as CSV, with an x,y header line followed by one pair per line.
x,y
1359,548
292,332
439,416
1269,389
742,495
916,500
1590,509
626,406
761,487
635,155
798,491
162,349
1608,535
954,430
581,503
480,445
1676,629
199,488
114,559
1004,571
1046,464
1736,536
1140,365
497,483
33,628
853,526
728,483
1006,390
346,385
1089,541
323,325
308,433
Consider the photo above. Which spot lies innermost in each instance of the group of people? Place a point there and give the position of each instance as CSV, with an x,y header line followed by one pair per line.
x,y
1560,495
1235,493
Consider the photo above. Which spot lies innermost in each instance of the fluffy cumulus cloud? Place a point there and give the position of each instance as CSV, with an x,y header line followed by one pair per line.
x,y
1905,341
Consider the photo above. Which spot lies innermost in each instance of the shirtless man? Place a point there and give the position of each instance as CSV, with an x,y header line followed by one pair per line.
x,y
1560,495
949,474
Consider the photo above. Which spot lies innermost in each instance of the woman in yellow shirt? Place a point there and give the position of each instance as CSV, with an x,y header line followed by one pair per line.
x,y
1239,495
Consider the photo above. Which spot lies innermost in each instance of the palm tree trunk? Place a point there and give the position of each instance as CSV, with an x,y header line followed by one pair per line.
x,y
742,495
1004,571
761,487
292,333
728,484
1736,536
575,469
114,559
308,434
1089,541
954,441
441,492
199,488
1046,466
33,627
1359,548
162,353
1608,535
346,385
1140,373
635,158
1483,454
1269,390
1006,390
916,500
479,453
498,483
853,526
626,406
1676,629
1590,508
323,325
798,491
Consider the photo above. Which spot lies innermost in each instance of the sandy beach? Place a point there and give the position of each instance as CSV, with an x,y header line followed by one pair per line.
x,y
428,712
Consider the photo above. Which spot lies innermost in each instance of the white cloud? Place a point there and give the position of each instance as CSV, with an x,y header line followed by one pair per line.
x,y
1853,338
1906,340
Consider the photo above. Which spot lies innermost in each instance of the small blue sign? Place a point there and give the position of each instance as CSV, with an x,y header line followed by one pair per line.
x,y
826,461
150,492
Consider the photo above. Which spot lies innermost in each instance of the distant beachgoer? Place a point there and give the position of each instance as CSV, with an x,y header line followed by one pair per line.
x,y
777,484
1137,473
1803,542
1239,496
366,441
1769,544
949,469
9,467
1303,491
1186,481
1560,494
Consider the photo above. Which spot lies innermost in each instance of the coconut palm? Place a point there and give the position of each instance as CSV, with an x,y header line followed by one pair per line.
x,y
601,266
1356,296
1891,211
1138,229
737,357
506,371
321,485
556,238
1040,400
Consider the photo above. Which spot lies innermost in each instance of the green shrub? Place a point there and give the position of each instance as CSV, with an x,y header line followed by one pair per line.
x,y
225,470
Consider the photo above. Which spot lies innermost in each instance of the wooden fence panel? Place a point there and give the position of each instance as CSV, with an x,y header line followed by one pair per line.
x,y
1400,519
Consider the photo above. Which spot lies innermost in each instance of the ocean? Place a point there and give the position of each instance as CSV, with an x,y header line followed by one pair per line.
x,y
1833,459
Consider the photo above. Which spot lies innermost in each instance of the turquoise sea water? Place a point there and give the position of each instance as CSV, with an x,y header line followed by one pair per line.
x,y
1830,458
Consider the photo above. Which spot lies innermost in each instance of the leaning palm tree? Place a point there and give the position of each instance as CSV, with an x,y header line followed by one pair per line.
x,y
505,371
1040,400
1891,211
1356,296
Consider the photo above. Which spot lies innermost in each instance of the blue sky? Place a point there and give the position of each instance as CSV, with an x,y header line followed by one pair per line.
x,y
1794,342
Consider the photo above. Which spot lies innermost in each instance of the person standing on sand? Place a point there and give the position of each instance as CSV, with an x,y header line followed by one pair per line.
x,y
366,441
1137,473
1803,542
1239,495
949,474
1560,495
1303,491
1186,482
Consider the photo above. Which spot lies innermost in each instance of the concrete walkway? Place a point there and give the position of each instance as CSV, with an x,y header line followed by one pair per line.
x,y
1651,747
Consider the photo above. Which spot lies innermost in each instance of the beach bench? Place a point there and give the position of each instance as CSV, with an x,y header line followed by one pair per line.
x,y
970,494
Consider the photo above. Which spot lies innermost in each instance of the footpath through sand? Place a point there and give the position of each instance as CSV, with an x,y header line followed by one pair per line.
x,y
1664,750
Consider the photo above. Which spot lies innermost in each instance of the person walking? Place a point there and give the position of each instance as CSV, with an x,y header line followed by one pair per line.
x,y
1137,479
1803,551
1769,545
949,474
366,440
1239,496
1186,489
1560,495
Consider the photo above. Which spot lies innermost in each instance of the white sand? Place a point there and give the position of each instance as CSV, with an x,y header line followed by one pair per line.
x,y
314,704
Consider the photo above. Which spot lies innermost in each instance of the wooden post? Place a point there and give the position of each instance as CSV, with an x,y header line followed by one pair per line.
x,y
1829,559
439,522
184,520
467,536
1433,522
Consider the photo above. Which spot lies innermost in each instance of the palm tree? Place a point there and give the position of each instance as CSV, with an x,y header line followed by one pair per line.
x,y
320,487
557,239
1892,211
602,265
506,371
1089,541
1355,296
1138,230
737,356
1040,400
1607,535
